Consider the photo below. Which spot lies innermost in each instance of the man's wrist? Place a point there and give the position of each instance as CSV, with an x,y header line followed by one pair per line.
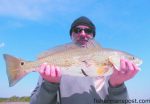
x,y
113,84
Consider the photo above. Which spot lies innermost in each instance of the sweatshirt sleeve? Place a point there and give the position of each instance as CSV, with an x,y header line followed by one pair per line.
x,y
44,93
117,95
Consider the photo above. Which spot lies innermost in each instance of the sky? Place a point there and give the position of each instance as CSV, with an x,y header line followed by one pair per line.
x,y
29,27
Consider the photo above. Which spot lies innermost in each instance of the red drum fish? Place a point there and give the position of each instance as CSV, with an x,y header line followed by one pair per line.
x,y
92,60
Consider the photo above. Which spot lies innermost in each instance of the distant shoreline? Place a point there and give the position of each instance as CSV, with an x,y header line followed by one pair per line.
x,y
15,100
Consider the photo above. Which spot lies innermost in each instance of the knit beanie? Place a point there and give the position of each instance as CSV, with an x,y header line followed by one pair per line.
x,y
83,21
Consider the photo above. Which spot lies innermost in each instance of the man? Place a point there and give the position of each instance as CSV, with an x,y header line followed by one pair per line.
x,y
53,88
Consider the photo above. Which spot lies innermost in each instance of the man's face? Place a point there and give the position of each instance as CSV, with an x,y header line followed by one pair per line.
x,y
82,34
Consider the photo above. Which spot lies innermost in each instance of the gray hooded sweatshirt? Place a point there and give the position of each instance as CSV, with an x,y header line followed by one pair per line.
x,y
77,90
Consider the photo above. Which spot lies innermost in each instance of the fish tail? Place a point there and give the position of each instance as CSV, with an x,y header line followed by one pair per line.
x,y
14,69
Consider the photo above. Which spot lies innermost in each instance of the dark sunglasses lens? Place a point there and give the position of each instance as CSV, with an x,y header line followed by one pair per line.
x,y
88,31
77,30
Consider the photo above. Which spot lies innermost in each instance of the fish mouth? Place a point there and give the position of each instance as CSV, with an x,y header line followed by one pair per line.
x,y
84,73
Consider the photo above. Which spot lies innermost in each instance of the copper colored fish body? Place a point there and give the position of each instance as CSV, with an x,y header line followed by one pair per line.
x,y
92,61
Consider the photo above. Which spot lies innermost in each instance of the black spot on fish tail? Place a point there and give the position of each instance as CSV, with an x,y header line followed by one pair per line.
x,y
83,72
22,63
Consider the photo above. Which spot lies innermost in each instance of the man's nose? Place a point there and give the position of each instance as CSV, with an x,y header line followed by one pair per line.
x,y
83,33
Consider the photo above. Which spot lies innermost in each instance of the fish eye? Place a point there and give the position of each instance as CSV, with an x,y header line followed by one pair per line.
x,y
22,63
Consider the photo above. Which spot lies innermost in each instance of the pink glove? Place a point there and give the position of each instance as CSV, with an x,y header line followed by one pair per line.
x,y
50,73
127,71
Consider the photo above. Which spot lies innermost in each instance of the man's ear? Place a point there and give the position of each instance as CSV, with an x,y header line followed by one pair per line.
x,y
92,36
71,35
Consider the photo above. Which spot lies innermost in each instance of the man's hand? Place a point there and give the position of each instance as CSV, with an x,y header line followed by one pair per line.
x,y
50,73
127,71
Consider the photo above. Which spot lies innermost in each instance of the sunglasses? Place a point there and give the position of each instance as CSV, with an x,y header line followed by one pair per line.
x,y
79,30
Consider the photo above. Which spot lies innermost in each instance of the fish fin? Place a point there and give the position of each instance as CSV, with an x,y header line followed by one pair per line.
x,y
14,70
115,61
57,49
104,70
92,44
